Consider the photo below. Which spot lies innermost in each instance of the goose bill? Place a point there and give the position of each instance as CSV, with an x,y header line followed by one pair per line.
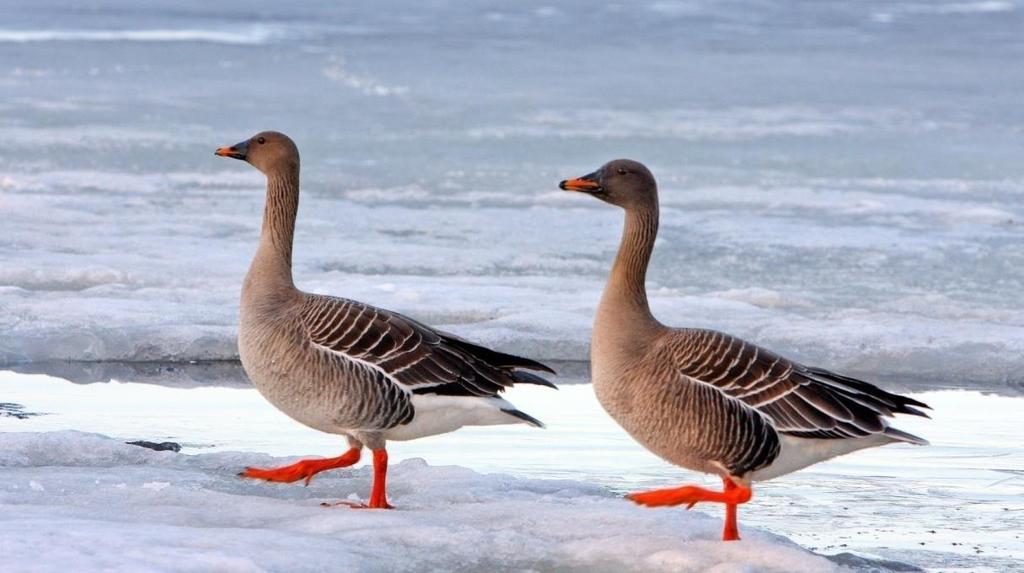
x,y
585,184
236,151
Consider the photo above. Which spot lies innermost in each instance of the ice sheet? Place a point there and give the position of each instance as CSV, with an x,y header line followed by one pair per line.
x,y
118,507
963,492
839,182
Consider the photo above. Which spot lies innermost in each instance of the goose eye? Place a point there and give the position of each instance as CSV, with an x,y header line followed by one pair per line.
x,y
261,140
622,171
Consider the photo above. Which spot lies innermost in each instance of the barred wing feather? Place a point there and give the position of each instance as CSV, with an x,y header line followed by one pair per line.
x,y
419,358
800,401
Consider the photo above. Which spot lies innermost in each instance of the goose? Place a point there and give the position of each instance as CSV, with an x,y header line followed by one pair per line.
x,y
348,368
708,401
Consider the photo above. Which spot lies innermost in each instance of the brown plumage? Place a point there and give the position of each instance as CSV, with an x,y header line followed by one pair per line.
x,y
709,401
349,368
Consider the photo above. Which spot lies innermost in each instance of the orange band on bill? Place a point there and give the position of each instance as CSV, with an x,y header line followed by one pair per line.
x,y
580,184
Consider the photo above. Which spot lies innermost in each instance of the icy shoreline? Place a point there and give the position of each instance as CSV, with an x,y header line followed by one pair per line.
x,y
230,374
963,490
854,293
122,507
546,319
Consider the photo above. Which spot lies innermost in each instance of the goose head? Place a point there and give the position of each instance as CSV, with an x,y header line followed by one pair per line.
x,y
621,182
268,151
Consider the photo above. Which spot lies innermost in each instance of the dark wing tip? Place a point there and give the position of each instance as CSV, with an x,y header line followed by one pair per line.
x,y
530,378
898,403
493,357
524,417
915,412
543,368
907,405
520,362
913,402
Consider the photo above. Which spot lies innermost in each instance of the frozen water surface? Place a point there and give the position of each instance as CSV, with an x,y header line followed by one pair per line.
x,y
953,506
840,181
123,508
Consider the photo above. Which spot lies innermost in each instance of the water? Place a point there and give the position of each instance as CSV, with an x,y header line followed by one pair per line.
x,y
840,182
952,506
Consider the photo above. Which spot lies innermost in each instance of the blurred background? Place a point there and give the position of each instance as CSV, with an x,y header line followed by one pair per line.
x,y
841,181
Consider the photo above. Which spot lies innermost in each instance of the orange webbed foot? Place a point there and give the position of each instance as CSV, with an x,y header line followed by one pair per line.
x,y
691,495
303,469
687,494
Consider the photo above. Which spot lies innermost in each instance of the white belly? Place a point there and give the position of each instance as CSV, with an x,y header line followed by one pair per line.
x,y
798,453
442,414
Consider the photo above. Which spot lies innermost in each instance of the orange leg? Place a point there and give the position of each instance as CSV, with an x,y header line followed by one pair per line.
x,y
304,469
378,493
733,495
731,532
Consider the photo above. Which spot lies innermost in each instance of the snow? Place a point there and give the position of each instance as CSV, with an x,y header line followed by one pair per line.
x,y
117,507
862,498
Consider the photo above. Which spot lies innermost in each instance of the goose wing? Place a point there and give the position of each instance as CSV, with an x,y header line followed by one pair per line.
x,y
419,358
800,401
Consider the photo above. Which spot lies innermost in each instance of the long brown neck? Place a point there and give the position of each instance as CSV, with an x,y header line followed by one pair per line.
x,y
272,265
624,316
